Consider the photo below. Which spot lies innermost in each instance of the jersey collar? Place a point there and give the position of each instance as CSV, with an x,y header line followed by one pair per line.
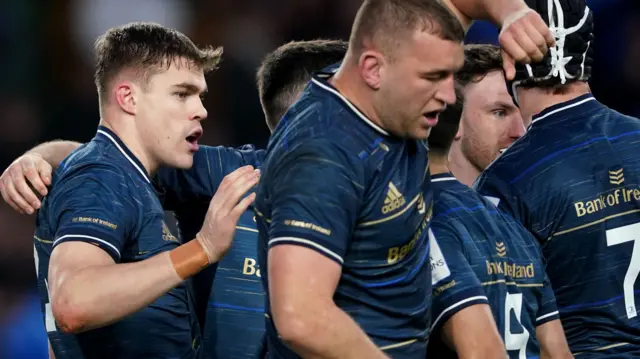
x,y
319,79
566,109
107,135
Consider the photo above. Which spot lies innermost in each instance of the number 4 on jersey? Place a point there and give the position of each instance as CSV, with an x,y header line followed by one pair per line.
x,y
515,341
625,234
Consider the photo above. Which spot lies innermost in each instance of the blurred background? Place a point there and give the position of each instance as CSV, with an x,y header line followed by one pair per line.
x,y
47,91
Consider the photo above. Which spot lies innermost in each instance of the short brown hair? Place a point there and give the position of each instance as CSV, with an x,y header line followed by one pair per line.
x,y
146,48
479,60
382,20
285,72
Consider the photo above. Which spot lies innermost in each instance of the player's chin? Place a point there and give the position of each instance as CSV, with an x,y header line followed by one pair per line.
x,y
420,133
184,161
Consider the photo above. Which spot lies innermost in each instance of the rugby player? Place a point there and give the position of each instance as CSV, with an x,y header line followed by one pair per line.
x,y
232,320
231,296
573,181
490,121
344,201
110,273
489,281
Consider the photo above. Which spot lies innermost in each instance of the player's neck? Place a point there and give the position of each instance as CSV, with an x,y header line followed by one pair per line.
x,y
463,170
534,100
350,85
129,136
437,163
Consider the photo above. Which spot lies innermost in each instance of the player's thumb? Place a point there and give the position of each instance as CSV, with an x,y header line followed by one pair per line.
x,y
509,65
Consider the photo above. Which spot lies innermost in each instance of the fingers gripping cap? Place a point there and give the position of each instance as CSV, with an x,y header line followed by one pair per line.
x,y
571,23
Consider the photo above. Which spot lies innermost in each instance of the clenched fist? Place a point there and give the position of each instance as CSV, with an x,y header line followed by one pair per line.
x,y
524,38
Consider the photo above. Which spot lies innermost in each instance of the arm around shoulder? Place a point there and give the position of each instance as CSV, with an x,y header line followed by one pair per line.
x,y
54,151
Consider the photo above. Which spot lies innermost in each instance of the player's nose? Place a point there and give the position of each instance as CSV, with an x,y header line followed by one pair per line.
x,y
446,92
200,113
517,129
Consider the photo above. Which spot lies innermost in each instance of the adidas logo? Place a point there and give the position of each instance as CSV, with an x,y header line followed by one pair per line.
x,y
394,199
616,177
501,249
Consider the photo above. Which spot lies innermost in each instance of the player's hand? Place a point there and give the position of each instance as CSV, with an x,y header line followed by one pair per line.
x,y
28,169
225,209
524,38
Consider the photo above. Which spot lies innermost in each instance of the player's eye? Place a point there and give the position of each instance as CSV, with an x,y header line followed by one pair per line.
x,y
499,113
436,76
182,95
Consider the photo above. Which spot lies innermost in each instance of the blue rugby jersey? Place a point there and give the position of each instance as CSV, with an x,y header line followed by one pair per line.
x,y
338,184
573,181
102,195
482,256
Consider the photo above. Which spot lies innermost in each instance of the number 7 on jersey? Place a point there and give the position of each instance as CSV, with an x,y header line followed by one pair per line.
x,y
625,234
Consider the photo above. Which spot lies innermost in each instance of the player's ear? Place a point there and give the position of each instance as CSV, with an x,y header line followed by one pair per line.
x,y
371,65
125,93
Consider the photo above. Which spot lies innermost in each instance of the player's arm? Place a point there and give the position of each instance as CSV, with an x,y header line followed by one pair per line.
x,y
496,11
549,331
96,214
553,343
460,307
315,193
200,182
33,168
524,36
473,334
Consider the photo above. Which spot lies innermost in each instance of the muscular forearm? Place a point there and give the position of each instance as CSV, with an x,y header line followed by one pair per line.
x,y
328,333
100,295
493,10
55,151
473,334
553,343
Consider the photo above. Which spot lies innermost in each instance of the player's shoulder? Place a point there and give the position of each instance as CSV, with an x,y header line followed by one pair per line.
x,y
453,197
103,162
232,157
322,112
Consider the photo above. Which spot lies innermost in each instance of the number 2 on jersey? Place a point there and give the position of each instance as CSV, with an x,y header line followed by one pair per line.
x,y
515,341
625,234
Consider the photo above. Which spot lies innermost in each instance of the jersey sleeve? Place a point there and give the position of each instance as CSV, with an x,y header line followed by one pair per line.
x,y
315,193
201,181
455,285
548,310
95,206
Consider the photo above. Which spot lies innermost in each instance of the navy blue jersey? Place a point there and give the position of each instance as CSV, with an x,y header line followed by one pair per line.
x,y
480,255
102,195
229,296
573,180
336,183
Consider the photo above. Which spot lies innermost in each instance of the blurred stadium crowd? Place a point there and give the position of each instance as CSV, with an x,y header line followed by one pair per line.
x,y
47,91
